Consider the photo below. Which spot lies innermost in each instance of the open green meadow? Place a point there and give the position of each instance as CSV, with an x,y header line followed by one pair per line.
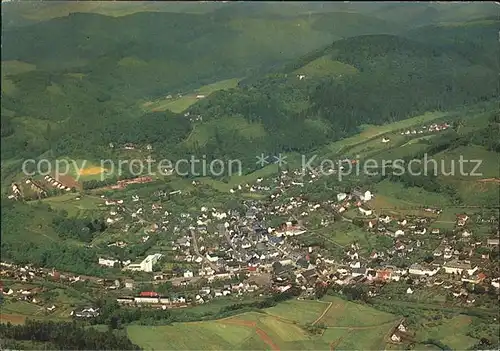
x,y
298,310
190,336
75,205
13,68
396,195
236,180
346,325
451,332
179,104
325,66
349,314
371,132
205,132
448,162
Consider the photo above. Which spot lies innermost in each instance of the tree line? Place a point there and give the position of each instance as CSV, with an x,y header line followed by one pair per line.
x,y
61,336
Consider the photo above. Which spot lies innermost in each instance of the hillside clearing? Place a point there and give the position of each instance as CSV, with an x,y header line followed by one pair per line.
x,y
178,104
325,66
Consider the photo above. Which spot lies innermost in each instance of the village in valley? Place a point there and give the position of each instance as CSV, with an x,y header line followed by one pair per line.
x,y
274,240
180,243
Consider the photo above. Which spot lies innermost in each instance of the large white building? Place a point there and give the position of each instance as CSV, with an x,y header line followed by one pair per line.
x,y
146,265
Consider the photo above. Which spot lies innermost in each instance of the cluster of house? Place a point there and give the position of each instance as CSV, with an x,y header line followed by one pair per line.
x,y
427,129
37,187
28,295
56,184
122,184
401,333
197,118
217,244
153,299
86,312
16,192
28,273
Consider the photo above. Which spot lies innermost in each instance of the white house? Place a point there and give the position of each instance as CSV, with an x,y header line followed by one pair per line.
x,y
457,267
395,338
384,219
367,196
399,232
417,269
365,212
188,274
341,196
107,262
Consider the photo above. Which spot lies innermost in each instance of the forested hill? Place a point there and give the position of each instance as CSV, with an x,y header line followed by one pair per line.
x,y
87,88
329,93
153,52
475,39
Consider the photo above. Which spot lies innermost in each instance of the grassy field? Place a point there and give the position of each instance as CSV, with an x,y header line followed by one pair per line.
x,y
199,336
44,12
369,132
344,233
451,332
449,161
179,104
234,181
324,66
478,187
12,68
74,207
349,314
202,133
348,326
295,310
396,195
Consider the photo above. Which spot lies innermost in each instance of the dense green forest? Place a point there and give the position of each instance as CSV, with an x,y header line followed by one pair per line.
x,y
61,336
89,71
397,78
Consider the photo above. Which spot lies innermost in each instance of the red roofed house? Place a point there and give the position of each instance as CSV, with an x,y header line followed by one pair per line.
x,y
475,279
384,275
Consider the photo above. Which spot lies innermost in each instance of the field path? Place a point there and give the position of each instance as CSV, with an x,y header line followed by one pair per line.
x,y
261,333
490,180
334,343
332,307
323,314
365,327
337,342
388,334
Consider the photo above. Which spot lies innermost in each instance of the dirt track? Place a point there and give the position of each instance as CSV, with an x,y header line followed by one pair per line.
x,y
12,318
323,314
490,180
261,333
